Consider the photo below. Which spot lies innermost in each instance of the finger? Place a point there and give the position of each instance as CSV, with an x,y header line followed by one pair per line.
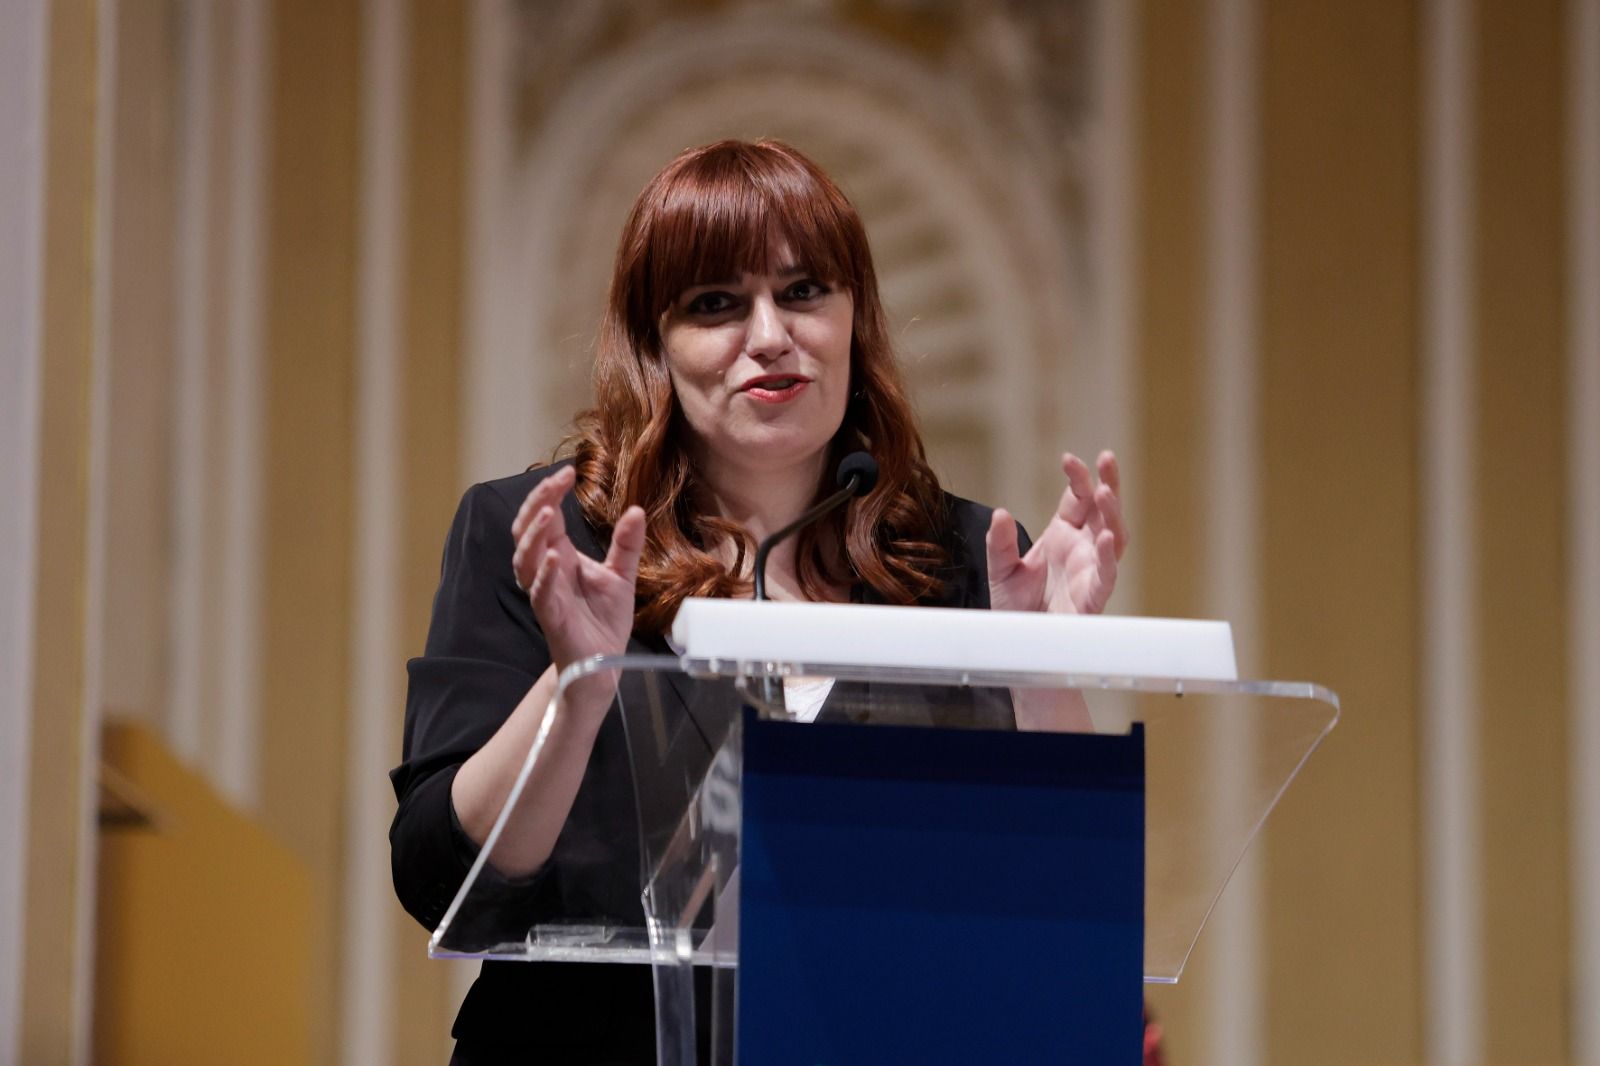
x,y
545,494
1000,544
524,559
1105,577
1110,473
544,590
548,493
537,497
627,544
536,539
570,570
519,571
519,522
524,562
1077,502
1109,505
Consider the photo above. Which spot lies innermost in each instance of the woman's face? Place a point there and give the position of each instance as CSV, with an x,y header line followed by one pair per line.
x,y
761,365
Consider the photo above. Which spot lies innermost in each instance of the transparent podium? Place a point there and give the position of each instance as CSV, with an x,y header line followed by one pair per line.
x,y
942,865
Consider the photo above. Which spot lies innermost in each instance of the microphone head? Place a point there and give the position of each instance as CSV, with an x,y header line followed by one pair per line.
x,y
861,467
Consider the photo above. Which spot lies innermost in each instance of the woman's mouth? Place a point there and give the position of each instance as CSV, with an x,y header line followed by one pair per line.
x,y
776,388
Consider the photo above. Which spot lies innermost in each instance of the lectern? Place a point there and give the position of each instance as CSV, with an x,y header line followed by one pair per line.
x,y
910,835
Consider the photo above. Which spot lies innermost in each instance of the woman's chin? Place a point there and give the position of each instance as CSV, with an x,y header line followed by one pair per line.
x,y
770,450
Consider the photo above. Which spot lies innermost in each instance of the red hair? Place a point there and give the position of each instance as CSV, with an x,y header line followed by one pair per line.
x,y
713,212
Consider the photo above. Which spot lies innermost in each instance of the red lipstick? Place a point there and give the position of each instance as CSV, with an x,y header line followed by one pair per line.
x,y
775,388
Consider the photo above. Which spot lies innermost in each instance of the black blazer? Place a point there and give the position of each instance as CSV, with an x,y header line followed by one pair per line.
x,y
484,651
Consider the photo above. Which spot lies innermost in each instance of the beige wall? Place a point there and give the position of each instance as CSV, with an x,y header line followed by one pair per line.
x,y
58,863
1342,276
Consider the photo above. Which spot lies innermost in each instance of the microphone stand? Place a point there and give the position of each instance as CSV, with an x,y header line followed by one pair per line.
x,y
765,547
770,693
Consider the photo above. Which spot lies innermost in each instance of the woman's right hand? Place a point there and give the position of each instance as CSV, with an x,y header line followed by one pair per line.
x,y
584,607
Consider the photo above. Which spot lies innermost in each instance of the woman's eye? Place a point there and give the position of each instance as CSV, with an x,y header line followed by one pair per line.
x,y
710,303
803,291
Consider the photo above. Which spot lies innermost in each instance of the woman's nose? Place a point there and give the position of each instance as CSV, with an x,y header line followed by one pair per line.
x,y
767,336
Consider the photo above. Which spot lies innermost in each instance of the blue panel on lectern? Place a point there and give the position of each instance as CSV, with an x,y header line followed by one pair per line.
x,y
940,896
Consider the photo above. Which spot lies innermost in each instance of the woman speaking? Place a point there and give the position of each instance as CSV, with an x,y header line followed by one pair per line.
x,y
743,353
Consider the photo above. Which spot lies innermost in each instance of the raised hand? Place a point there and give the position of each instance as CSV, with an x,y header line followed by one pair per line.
x,y
584,607
1072,567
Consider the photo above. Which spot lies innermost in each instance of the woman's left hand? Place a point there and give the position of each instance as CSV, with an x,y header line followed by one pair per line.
x,y
1072,567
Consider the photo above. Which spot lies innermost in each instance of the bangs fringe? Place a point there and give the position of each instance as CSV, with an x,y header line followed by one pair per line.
x,y
726,217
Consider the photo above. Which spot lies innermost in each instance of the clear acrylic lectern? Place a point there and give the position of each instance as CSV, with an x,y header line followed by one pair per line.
x,y
964,830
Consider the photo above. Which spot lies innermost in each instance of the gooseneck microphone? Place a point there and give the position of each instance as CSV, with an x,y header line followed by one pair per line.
x,y
858,472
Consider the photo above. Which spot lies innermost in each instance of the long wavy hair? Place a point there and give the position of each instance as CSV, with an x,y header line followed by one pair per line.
x,y
715,212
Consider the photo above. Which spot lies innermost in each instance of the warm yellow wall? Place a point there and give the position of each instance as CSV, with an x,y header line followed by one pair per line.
x,y
1340,409
204,926
1343,278
435,308
1521,487
310,339
1170,285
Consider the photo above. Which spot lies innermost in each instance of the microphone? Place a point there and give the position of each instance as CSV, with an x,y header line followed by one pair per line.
x,y
858,473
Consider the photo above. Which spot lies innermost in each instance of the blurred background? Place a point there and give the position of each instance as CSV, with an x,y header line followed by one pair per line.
x,y
280,278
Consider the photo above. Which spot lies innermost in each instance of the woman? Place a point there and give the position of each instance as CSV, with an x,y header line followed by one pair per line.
x,y
743,352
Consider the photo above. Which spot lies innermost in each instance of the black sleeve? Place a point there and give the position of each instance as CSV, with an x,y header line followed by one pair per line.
x,y
484,651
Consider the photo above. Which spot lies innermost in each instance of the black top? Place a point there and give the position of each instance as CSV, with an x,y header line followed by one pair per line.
x,y
484,652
